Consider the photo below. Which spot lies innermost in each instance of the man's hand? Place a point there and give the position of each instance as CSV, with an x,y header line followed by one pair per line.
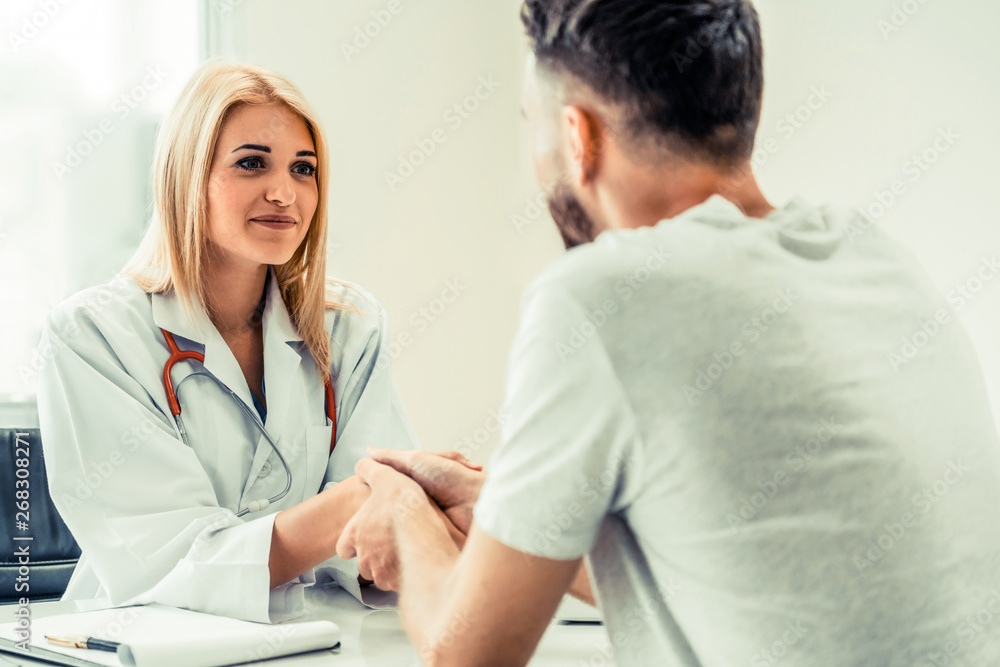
x,y
371,534
449,478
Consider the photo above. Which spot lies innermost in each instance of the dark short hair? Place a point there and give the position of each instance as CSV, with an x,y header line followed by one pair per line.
x,y
688,73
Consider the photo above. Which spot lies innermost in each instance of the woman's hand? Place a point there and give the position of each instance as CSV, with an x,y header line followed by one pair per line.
x,y
305,535
355,492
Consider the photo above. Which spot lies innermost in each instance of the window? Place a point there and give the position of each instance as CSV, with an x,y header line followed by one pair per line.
x,y
83,87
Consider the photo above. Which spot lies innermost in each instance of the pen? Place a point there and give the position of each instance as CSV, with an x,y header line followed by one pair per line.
x,y
79,641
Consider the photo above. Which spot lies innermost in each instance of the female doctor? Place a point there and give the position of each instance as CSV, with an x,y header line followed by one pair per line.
x,y
228,506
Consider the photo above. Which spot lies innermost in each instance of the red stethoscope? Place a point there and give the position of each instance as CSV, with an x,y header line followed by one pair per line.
x,y
176,354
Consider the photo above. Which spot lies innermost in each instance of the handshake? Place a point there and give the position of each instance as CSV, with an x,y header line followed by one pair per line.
x,y
422,493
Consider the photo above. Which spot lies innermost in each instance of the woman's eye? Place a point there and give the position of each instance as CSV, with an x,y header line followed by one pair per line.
x,y
250,164
304,169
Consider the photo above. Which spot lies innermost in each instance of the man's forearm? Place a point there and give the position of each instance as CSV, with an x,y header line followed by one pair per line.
x,y
427,554
580,588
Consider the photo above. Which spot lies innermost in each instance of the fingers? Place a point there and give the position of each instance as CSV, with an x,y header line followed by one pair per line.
x,y
460,458
399,459
389,583
365,571
421,467
380,570
386,574
367,470
405,461
346,545
371,565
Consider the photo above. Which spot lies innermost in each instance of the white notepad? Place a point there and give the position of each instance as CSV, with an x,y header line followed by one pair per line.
x,y
159,636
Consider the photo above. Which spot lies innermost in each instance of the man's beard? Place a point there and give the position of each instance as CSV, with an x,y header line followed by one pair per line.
x,y
573,223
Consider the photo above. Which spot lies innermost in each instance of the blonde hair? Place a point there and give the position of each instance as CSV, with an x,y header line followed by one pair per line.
x,y
171,253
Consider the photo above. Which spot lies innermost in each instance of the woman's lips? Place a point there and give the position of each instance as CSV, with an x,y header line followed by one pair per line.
x,y
278,222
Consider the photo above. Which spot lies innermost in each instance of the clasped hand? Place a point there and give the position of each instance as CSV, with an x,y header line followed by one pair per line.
x,y
433,492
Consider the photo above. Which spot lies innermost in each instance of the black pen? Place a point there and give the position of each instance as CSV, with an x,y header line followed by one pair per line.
x,y
79,641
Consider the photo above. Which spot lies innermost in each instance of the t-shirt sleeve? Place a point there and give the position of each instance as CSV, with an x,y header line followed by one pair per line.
x,y
570,450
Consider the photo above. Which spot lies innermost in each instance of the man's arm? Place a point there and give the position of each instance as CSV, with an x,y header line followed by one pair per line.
x,y
486,605
489,605
580,588
455,488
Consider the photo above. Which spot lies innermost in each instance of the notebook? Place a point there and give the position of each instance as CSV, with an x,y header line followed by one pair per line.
x,y
160,636
573,611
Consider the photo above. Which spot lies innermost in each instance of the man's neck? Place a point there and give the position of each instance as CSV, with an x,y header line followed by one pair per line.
x,y
654,196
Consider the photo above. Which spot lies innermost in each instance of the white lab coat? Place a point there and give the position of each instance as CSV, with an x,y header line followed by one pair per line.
x,y
155,519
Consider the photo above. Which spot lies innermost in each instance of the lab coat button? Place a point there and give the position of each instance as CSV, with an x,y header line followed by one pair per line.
x,y
265,469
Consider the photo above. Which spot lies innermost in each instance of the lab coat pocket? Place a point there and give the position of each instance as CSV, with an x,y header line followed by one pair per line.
x,y
318,457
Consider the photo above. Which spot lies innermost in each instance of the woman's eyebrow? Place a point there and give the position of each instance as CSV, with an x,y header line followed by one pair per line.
x,y
254,147
305,154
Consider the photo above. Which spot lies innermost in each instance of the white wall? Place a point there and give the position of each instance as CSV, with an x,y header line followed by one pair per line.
x,y
893,90
451,220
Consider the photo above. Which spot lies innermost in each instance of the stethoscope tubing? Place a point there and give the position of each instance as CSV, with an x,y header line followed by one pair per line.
x,y
176,354
260,427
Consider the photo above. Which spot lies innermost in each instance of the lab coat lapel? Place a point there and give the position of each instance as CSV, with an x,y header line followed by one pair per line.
x,y
281,365
281,358
169,314
220,362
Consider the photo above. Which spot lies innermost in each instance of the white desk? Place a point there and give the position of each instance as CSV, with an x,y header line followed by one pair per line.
x,y
375,638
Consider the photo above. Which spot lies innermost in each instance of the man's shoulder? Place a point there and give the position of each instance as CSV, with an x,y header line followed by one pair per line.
x,y
623,262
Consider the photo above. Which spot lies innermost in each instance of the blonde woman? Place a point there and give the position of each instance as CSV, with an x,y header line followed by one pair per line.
x,y
228,499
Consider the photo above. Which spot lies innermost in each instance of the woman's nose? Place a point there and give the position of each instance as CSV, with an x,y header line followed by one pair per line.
x,y
280,190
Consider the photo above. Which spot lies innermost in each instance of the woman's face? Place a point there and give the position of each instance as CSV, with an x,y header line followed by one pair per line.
x,y
262,187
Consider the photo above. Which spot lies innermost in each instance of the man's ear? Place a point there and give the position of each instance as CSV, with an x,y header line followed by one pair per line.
x,y
585,138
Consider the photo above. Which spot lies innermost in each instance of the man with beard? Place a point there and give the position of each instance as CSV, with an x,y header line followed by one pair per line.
x,y
762,426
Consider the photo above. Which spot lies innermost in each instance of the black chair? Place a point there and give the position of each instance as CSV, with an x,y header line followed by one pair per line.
x,y
52,551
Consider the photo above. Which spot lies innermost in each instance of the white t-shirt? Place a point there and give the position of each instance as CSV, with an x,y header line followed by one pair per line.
x,y
771,436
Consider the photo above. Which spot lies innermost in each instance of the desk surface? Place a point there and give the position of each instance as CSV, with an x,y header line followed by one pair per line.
x,y
375,638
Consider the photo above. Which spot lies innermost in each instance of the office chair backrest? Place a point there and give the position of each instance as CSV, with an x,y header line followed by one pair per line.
x,y
38,553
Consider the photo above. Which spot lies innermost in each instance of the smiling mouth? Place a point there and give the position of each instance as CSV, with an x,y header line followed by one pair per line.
x,y
274,219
